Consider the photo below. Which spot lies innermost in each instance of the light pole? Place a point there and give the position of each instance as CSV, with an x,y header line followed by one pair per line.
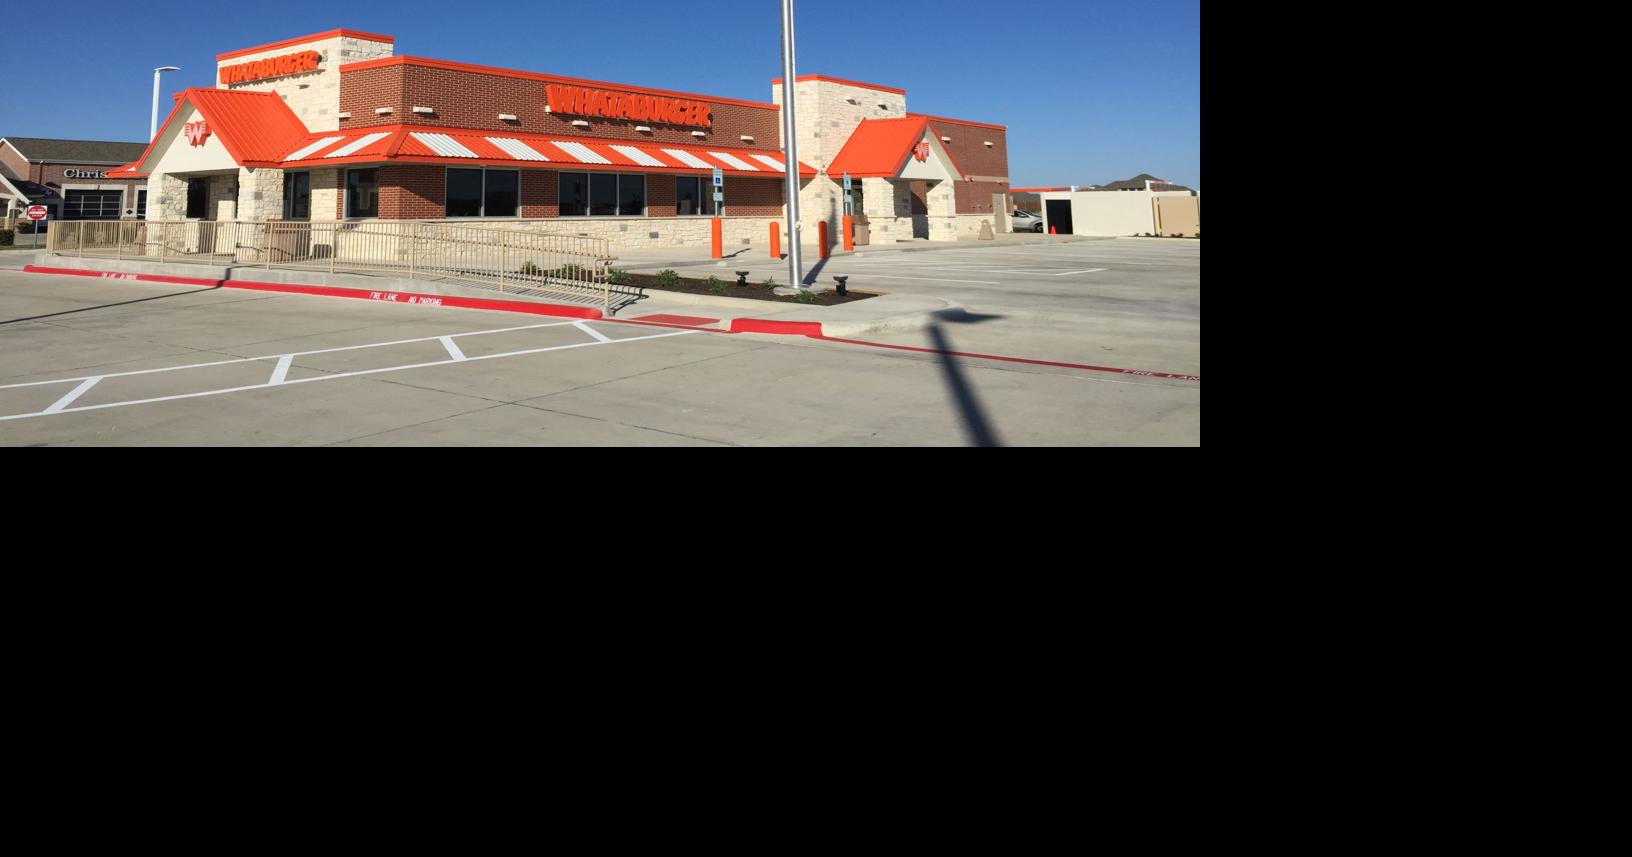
x,y
153,126
790,153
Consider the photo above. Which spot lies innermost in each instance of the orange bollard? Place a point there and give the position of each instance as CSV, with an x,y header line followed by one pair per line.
x,y
849,234
821,239
776,240
1052,230
717,239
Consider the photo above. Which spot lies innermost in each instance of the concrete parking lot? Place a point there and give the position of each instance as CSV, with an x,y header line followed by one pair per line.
x,y
94,362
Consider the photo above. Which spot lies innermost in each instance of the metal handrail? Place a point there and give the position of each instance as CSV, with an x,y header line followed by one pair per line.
x,y
507,258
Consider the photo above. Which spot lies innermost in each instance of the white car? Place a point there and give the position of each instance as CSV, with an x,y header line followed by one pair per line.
x,y
1025,221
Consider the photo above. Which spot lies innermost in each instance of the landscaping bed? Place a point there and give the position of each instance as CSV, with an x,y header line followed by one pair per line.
x,y
669,281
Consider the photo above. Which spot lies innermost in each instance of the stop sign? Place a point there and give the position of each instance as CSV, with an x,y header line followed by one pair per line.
x,y
36,212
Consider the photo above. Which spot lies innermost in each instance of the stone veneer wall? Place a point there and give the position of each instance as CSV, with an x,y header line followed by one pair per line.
x,y
825,122
314,96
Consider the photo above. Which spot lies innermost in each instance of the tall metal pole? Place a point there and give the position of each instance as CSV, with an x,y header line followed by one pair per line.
x,y
790,143
153,126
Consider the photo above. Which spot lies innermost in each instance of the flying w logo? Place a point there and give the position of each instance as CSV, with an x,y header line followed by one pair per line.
x,y
196,132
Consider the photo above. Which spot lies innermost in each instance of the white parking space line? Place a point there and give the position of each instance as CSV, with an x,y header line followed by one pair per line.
x,y
453,350
1084,271
281,371
282,356
67,400
60,407
592,331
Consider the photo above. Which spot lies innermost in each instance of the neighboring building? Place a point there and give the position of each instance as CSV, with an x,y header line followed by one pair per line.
x,y
70,177
1143,181
334,126
1128,212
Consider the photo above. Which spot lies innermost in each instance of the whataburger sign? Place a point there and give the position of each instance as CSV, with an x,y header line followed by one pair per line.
x,y
576,101
272,67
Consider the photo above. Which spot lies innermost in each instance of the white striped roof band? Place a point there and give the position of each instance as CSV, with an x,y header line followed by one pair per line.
x,y
578,150
639,157
443,145
517,149
735,162
771,162
309,149
358,143
688,159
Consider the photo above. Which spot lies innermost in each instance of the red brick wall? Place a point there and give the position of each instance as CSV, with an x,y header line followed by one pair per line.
x,y
413,192
540,194
968,148
465,99
746,197
660,196
969,194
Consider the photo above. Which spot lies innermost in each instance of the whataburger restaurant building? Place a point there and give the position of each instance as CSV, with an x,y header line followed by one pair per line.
x,y
335,126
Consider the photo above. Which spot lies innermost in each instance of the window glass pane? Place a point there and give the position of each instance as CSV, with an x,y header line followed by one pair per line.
x,y
141,204
632,196
503,193
362,193
464,193
688,195
603,194
198,197
297,196
574,194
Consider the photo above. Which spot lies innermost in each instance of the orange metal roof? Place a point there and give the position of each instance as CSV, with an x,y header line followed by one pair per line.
x,y
458,146
879,148
256,128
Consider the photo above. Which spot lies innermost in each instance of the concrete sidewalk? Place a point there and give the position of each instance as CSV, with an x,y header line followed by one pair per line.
x,y
646,261
889,313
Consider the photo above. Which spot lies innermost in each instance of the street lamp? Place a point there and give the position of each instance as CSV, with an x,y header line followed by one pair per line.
x,y
790,142
153,126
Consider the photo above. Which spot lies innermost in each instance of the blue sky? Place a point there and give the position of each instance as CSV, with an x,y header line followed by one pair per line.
x,y
1091,91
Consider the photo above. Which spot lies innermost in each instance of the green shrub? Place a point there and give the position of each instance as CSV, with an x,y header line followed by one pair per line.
x,y
668,277
530,270
25,227
808,297
6,239
716,285
770,283
621,278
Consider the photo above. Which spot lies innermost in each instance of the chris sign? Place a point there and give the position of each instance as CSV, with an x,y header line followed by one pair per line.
x,y
84,174
574,101
274,67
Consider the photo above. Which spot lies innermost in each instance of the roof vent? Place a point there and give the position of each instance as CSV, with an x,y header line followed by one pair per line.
x,y
698,134
581,123
748,138
988,142
644,129
508,117
383,111
344,115
424,110
946,139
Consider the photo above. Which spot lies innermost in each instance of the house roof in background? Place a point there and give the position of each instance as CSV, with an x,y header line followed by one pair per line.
x,y
75,151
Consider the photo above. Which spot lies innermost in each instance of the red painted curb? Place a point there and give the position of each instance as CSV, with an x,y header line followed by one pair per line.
x,y
1112,369
556,310
789,328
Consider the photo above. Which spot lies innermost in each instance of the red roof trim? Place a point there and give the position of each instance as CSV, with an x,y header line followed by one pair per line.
x,y
777,81
349,34
1004,128
422,62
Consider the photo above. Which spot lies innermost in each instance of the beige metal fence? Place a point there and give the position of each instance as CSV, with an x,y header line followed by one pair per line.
x,y
506,258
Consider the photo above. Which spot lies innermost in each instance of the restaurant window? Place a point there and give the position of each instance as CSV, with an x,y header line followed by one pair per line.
x,y
198,198
483,193
603,195
464,193
141,205
632,196
362,193
574,194
693,195
297,196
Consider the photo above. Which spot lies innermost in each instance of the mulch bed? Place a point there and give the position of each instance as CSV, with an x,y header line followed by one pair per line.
x,y
728,288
